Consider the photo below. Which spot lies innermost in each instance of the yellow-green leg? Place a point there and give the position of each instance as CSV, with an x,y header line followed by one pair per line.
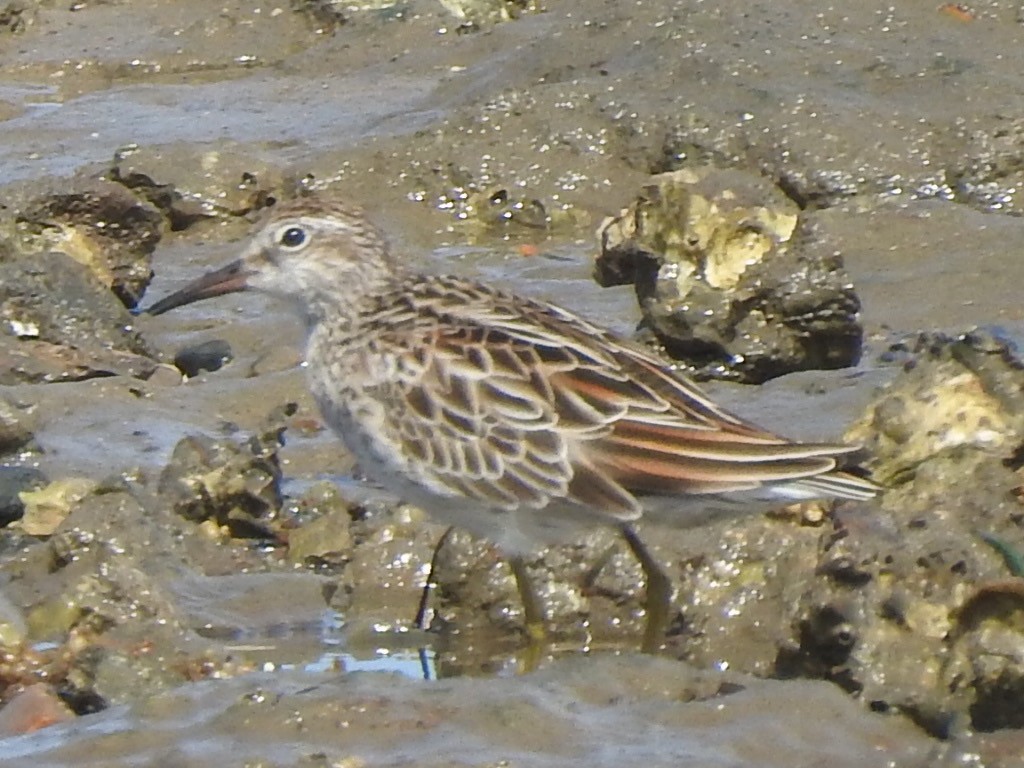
x,y
534,618
658,600
533,608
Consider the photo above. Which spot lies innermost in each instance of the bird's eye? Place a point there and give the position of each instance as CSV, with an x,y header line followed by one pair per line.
x,y
293,237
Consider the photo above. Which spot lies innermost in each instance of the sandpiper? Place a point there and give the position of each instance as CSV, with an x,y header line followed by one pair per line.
x,y
511,417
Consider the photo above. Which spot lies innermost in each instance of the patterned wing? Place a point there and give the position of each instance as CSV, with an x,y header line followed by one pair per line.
x,y
515,402
483,410
672,440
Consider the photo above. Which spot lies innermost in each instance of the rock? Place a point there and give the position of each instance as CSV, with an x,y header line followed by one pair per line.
x,y
15,433
326,536
13,482
33,708
987,641
716,259
54,616
107,615
473,13
929,575
382,581
59,323
959,401
206,356
15,18
224,183
46,508
232,484
101,226
478,593
326,16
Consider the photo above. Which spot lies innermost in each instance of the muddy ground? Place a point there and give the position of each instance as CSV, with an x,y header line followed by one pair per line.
x,y
191,571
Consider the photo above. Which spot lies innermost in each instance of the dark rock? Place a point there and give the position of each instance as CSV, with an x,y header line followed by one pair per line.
x,y
16,17
323,14
206,356
723,282
59,323
233,484
102,226
14,480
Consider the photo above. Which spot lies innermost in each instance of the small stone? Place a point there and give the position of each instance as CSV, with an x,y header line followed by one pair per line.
x,y
326,531
14,431
230,484
46,508
328,535
206,356
35,707
14,481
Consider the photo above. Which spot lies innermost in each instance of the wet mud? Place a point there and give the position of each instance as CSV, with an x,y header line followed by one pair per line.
x,y
191,571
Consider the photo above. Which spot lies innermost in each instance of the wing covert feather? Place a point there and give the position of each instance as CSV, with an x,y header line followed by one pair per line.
x,y
515,402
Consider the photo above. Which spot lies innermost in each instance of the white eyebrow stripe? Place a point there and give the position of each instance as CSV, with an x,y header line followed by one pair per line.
x,y
334,224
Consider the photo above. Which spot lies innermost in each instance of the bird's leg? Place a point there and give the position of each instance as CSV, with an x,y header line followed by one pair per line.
x,y
533,608
431,582
590,577
659,591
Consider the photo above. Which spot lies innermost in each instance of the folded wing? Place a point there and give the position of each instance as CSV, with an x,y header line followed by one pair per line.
x,y
518,404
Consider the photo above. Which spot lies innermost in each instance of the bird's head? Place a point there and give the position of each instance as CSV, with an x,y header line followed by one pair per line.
x,y
314,252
